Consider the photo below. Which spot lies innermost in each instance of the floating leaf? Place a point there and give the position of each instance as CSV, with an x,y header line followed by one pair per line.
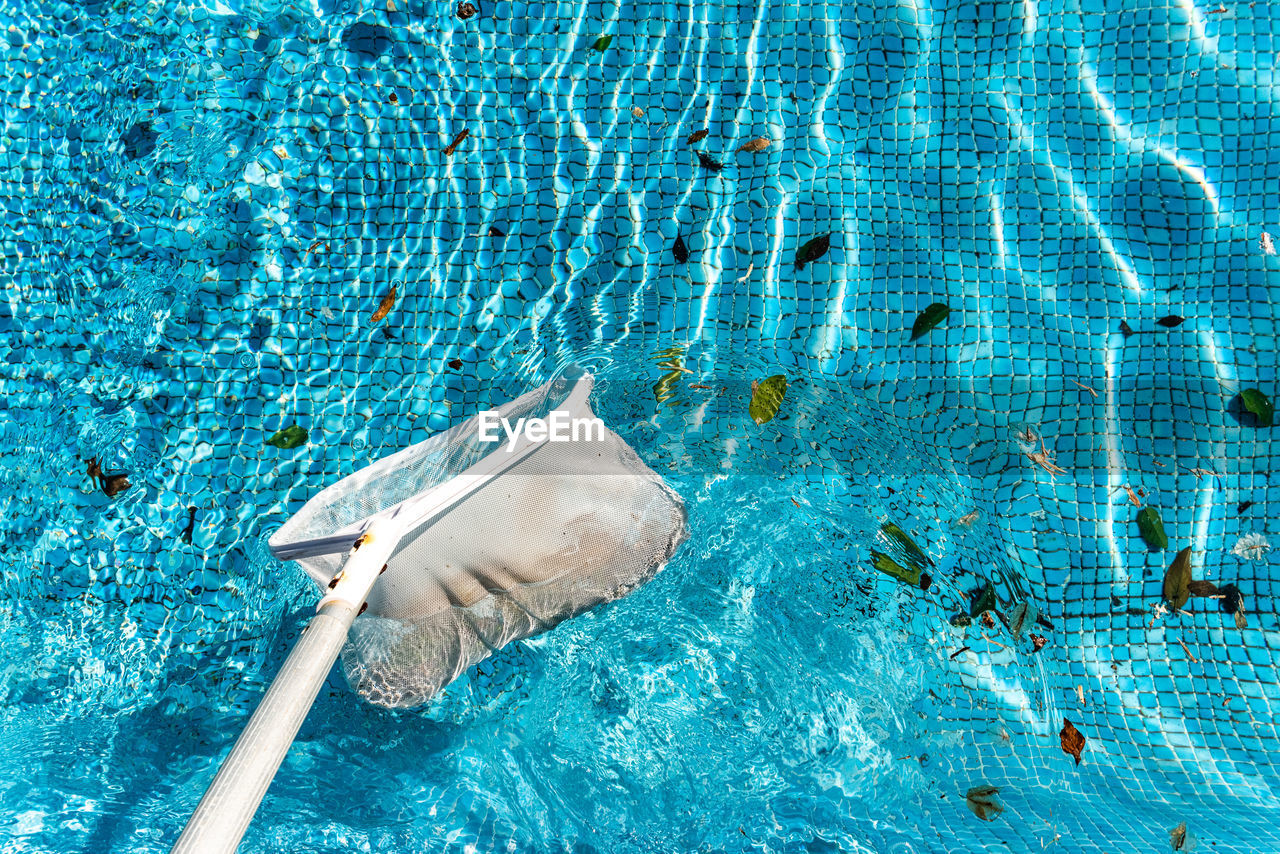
x,y
1072,740
981,801
384,307
709,162
638,113
671,358
698,136
1259,404
456,364
1024,614
766,397
457,140
1038,642
289,438
114,484
1152,528
1178,837
898,537
986,601
1232,602
665,388
754,145
961,621
1170,322
889,566
466,10
601,44
929,318
679,250
1177,581
1125,329
1243,506
1202,588
812,250
494,231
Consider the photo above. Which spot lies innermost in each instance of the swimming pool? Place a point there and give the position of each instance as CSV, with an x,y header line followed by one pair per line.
x,y
207,202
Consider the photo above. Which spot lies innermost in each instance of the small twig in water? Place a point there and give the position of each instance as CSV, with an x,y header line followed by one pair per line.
x,y
1086,388
993,641
1188,652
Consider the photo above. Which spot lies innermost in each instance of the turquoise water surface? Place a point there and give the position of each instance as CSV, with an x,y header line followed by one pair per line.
x,y
207,201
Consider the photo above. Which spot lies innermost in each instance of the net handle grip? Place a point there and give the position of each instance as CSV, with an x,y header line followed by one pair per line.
x,y
224,813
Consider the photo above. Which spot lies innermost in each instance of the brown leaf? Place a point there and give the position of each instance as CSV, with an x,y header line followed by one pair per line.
x,y
1038,641
1125,329
709,163
1170,322
1202,588
466,10
384,307
113,484
698,136
757,144
1178,837
457,140
1072,740
456,364
981,801
1177,581
637,112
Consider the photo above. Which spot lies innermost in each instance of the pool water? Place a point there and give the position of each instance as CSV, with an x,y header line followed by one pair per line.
x,y
207,202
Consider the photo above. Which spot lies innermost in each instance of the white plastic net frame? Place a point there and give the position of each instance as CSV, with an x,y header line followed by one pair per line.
x,y
498,542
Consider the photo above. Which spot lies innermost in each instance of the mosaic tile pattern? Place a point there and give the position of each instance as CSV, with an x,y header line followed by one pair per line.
x,y
207,201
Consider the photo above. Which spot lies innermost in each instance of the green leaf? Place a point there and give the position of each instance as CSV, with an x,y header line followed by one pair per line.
x,y
812,250
1024,615
1177,581
913,553
889,566
986,601
671,358
289,438
602,43
1259,404
929,318
766,397
1152,529
664,390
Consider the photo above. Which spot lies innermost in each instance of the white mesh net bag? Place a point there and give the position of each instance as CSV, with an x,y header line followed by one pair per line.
x,y
498,542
